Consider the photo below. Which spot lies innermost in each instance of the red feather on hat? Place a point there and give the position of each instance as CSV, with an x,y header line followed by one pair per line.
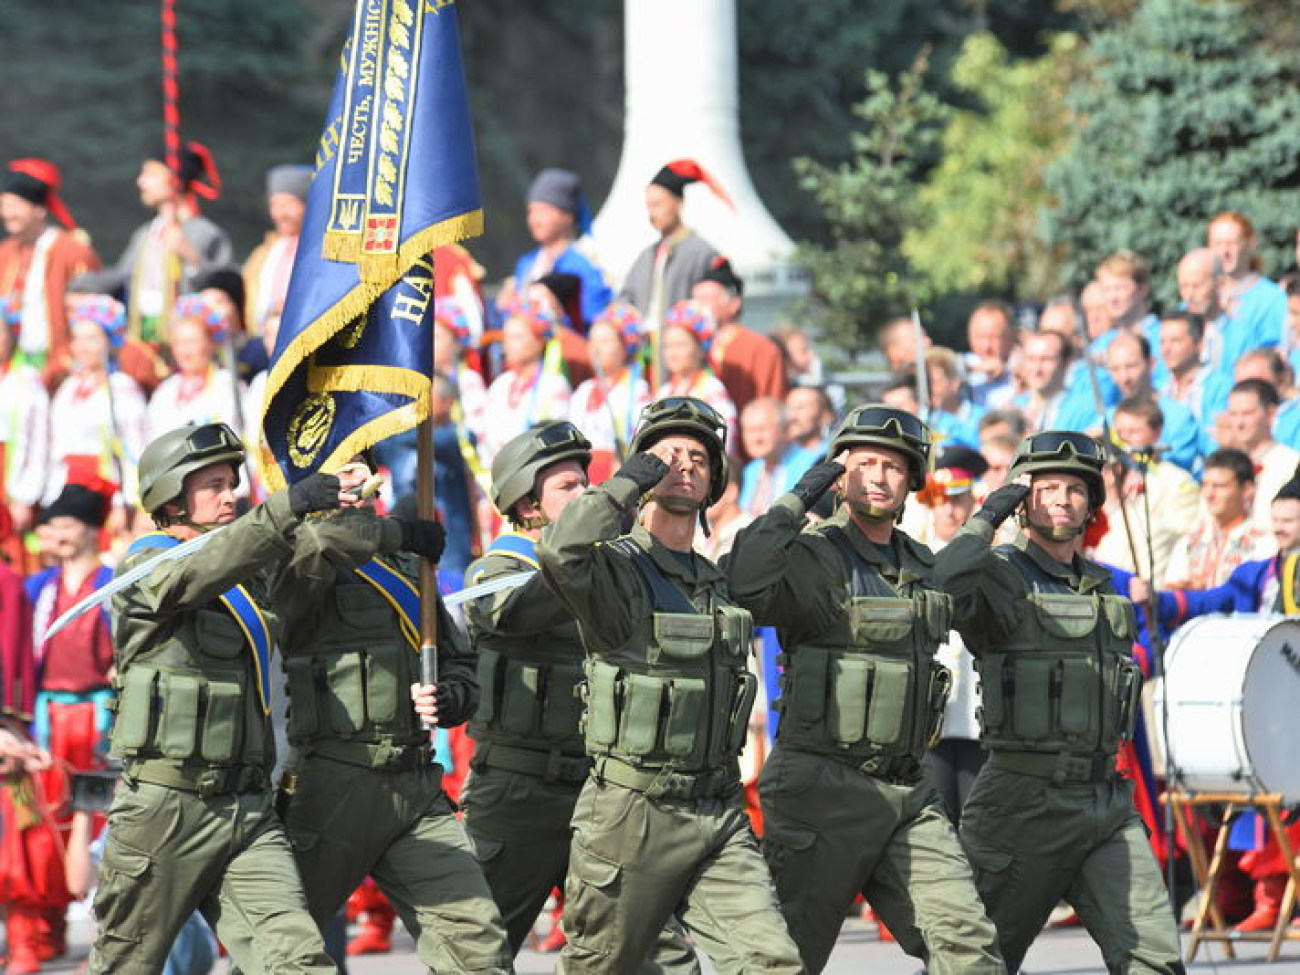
x,y
689,169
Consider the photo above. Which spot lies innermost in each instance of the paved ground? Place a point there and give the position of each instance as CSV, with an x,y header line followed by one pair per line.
x,y
1057,952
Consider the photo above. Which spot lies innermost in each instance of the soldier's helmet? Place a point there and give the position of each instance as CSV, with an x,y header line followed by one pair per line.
x,y
877,425
1063,452
693,418
517,464
165,462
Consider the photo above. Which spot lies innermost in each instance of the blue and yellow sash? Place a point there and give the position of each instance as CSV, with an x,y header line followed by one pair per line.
x,y
514,545
241,606
400,593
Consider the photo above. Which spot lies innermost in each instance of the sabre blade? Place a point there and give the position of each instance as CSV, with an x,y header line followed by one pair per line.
x,y
501,583
129,578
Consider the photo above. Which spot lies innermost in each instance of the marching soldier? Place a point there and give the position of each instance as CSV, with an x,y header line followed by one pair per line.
x,y
659,826
845,810
363,796
192,825
529,763
1048,818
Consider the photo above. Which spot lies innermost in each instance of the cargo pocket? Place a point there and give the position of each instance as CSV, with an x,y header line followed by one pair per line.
x,y
178,727
519,698
123,904
382,683
1120,615
888,701
591,893
1032,713
489,685
486,850
1078,690
681,636
990,865
602,703
850,693
685,711
784,844
218,634
220,722
880,621
135,710
638,726
304,718
560,707
938,614
1066,617
345,707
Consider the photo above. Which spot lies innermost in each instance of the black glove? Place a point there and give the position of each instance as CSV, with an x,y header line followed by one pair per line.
x,y
454,702
999,505
816,481
427,538
315,492
645,470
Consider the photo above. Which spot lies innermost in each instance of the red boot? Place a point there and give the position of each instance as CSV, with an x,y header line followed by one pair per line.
x,y
23,930
376,934
1268,903
53,933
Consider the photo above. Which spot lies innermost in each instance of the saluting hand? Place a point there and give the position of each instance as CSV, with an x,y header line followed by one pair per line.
x,y
645,470
999,505
816,481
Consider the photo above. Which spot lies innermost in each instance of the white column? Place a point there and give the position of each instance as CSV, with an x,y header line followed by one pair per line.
x,y
682,102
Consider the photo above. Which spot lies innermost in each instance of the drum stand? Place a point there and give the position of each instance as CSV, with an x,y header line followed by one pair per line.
x,y
1207,870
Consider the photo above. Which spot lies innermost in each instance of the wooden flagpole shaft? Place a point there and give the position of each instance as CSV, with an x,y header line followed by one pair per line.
x,y
428,571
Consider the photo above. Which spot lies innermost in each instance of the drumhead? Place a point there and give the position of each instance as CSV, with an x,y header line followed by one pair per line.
x,y
1271,701
1232,685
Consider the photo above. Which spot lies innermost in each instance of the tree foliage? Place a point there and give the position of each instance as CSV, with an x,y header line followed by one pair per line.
x,y
861,277
975,234
1186,115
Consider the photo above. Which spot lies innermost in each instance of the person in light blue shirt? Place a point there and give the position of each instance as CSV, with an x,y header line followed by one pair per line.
x,y
952,414
1130,365
1125,280
777,463
1192,384
1255,306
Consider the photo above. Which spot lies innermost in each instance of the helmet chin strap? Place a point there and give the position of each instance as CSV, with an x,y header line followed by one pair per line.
x,y
872,512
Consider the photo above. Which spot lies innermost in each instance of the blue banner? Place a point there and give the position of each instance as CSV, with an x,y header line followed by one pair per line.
x,y
395,178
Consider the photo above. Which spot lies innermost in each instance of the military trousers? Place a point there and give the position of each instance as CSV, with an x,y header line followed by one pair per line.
x,y
346,822
519,824
831,832
1033,843
637,861
171,852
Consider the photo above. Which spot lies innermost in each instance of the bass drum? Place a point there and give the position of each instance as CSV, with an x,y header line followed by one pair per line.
x,y
1232,685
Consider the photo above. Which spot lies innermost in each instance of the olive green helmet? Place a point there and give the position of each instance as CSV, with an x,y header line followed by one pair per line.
x,y
877,425
693,418
1063,452
517,464
166,462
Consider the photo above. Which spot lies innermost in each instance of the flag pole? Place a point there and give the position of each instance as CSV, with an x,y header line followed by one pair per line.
x,y
428,571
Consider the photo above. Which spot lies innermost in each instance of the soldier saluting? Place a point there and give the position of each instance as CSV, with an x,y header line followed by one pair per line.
x,y
1048,818
845,810
659,826
192,825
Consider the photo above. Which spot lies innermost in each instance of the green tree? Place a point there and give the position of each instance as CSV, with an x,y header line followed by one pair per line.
x,y
974,236
1187,114
861,277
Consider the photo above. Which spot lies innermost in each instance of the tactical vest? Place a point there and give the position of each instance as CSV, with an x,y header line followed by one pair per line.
x,y
676,698
528,682
870,691
1063,681
194,702
353,681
